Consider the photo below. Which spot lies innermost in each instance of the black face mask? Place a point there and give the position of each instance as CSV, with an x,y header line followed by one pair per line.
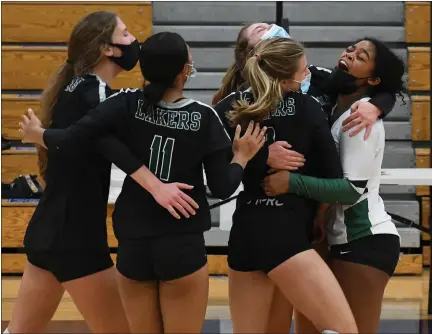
x,y
341,82
130,55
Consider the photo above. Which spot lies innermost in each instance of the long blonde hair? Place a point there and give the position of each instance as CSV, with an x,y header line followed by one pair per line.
x,y
269,62
84,52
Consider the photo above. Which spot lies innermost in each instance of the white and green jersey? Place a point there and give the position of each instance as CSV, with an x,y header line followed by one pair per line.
x,y
361,162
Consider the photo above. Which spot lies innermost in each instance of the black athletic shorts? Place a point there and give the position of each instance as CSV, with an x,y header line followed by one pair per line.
x,y
70,265
380,251
161,258
261,239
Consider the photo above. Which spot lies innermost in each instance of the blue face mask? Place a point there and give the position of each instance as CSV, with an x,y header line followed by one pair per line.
x,y
275,31
305,83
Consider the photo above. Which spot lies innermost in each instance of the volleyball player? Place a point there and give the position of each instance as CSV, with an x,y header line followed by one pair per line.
x,y
364,242
365,113
66,239
281,155
269,240
162,261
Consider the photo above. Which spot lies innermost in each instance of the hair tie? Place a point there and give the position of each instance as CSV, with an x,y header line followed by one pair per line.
x,y
68,61
258,56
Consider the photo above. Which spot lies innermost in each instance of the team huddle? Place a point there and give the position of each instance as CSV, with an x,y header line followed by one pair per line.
x,y
310,234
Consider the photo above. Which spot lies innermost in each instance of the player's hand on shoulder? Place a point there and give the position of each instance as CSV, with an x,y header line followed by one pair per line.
x,y
172,198
363,115
250,143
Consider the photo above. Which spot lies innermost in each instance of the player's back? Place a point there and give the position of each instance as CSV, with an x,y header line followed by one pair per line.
x,y
295,120
300,121
172,140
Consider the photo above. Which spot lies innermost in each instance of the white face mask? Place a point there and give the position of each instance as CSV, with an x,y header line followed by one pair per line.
x,y
275,31
193,72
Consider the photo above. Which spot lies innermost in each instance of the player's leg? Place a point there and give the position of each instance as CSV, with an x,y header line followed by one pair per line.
x,y
38,298
302,276
250,290
363,269
141,303
182,268
184,302
90,279
281,313
139,287
250,295
305,276
301,323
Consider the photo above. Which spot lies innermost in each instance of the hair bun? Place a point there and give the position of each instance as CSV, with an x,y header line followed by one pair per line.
x,y
162,57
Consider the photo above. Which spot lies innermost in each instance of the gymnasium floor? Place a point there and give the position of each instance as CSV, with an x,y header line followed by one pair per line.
x,y
404,309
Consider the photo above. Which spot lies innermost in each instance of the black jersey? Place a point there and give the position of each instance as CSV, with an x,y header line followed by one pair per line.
x,y
173,140
300,121
72,211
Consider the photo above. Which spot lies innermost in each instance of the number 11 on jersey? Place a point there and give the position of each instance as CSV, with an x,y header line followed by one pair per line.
x,y
167,151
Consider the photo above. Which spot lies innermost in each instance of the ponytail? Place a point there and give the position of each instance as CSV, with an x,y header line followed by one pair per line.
x,y
154,92
87,38
231,82
49,98
273,60
266,91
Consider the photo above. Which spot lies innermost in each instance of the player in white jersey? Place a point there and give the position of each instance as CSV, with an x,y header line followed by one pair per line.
x,y
367,216
364,243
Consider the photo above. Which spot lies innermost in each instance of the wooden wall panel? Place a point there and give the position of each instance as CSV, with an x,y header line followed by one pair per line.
x,y
426,256
419,69
423,160
418,22
29,68
420,107
410,264
14,165
15,219
15,263
13,107
52,22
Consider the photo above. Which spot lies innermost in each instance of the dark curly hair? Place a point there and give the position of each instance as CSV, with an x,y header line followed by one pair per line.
x,y
389,68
